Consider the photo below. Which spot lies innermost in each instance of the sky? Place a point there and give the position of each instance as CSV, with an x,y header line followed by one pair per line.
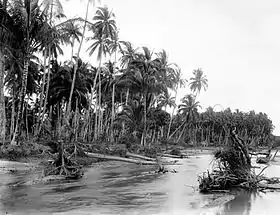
x,y
236,44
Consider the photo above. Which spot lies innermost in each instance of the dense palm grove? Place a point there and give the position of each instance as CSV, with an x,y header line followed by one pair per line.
x,y
121,96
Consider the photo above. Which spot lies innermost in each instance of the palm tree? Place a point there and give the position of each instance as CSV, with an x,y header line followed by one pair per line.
x,y
29,21
128,54
5,37
115,46
198,82
188,109
142,74
180,82
104,30
78,54
70,32
165,100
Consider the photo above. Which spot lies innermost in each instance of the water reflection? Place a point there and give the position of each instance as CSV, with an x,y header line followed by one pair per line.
x,y
240,205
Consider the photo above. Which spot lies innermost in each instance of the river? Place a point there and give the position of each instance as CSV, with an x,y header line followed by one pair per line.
x,y
121,188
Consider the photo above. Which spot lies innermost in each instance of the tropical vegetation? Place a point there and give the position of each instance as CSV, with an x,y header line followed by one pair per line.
x,y
123,92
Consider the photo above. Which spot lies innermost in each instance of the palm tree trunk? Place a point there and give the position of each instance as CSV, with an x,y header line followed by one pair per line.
x,y
177,130
46,96
143,142
26,120
113,103
12,127
87,120
38,124
169,126
113,113
95,121
99,100
2,101
21,102
182,132
72,50
76,64
127,97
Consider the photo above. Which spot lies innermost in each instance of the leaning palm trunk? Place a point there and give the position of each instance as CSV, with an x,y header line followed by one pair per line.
x,y
76,65
2,100
182,132
21,101
177,129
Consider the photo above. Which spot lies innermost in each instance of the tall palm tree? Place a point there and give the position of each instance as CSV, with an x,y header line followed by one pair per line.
x,y
180,82
30,22
5,37
142,74
78,53
115,46
198,82
104,31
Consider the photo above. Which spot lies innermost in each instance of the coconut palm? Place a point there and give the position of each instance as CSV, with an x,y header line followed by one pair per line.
x,y
115,46
166,100
105,25
104,30
142,76
70,32
180,82
198,82
78,53
5,37
29,22
189,112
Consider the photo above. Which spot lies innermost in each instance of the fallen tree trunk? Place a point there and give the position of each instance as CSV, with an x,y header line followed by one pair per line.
x,y
173,156
140,157
128,160
260,153
269,186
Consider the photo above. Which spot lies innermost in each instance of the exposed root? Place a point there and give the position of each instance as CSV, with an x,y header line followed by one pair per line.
x,y
232,168
64,166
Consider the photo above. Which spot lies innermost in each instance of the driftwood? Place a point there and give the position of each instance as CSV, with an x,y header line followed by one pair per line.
x,y
173,156
140,156
128,160
269,186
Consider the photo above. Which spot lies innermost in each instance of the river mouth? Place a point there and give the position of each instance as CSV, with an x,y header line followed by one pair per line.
x,y
121,188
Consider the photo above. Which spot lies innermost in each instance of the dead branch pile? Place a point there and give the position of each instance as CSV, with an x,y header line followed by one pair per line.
x,y
232,168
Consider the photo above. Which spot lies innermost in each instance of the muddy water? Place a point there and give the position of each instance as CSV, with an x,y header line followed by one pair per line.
x,y
120,188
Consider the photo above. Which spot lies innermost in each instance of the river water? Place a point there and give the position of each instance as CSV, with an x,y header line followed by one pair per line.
x,y
121,188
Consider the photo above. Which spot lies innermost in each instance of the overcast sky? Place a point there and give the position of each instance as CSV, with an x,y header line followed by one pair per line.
x,y
236,43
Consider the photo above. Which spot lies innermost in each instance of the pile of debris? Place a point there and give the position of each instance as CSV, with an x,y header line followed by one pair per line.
x,y
233,168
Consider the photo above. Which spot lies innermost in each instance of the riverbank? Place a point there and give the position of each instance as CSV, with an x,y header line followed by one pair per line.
x,y
114,187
